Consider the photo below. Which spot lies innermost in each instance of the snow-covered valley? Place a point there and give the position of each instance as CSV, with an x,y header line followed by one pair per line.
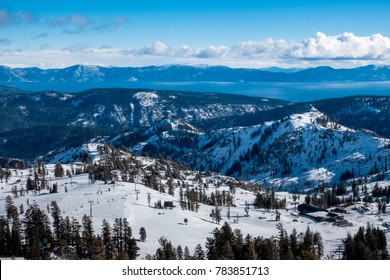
x,y
78,196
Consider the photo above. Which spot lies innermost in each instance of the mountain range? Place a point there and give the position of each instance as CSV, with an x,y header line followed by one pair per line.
x,y
275,142
182,73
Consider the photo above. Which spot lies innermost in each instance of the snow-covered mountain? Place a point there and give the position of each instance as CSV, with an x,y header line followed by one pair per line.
x,y
104,112
277,143
139,198
185,73
296,152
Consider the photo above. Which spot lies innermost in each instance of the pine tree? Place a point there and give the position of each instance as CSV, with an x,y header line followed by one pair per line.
x,y
122,237
227,251
1,174
118,235
248,249
36,231
171,189
166,250
130,244
108,243
142,233
211,248
285,252
294,243
5,237
96,249
57,221
187,255
199,253
179,252
217,214
75,237
87,236
58,170
10,208
238,244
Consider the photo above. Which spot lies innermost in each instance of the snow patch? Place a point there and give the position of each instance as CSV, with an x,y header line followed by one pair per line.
x,y
146,99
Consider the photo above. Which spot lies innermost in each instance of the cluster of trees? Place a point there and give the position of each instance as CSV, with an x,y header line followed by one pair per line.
x,y
383,192
269,201
231,245
325,197
367,244
35,237
5,174
167,251
326,200
226,244
253,153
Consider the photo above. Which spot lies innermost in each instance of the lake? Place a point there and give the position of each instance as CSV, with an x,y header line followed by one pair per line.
x,y
295,92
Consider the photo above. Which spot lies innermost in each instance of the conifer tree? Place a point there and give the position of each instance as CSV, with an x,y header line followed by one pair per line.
x,y
142,233
248,249
58,170
199,254
37,232
108,243
187,255
227,251
179,252
57,221
87,236
5,237
166,250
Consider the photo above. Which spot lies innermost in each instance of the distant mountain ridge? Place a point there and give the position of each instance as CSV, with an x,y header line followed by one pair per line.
x,y
264,139
184,73
298,151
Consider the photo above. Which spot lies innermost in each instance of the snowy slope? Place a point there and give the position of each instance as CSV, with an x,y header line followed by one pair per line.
x,y
120,200
299,151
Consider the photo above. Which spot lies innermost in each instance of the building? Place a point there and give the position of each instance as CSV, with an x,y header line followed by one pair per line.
x,y
318,214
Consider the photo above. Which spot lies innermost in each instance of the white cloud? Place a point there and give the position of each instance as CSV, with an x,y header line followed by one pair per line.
x,y
79,20
321,47
8,18
77,23
343,50
111,25
344,46
156,49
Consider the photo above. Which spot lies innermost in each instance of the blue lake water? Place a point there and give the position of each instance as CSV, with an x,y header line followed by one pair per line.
x,y
295,92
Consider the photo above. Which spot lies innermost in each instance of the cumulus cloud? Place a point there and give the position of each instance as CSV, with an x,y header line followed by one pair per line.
x,y
156,49
320,47
342,50
343,46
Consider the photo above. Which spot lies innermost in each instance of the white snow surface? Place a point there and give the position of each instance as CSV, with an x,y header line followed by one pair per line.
x,y
314,148
119,200
146,99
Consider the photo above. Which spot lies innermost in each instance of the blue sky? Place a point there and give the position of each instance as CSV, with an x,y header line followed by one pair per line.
x,y
246,33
